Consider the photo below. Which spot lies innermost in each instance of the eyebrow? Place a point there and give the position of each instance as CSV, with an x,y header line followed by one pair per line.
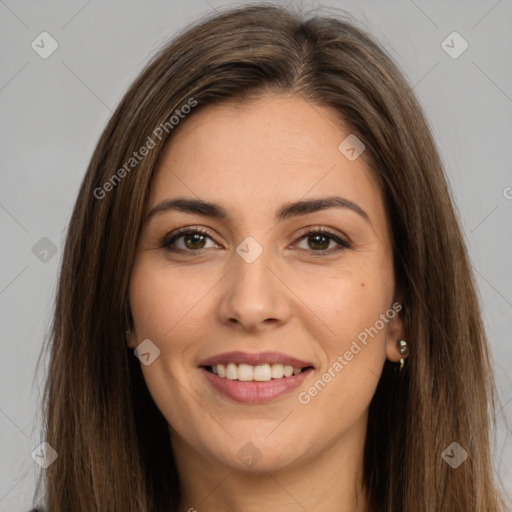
x,y
288,210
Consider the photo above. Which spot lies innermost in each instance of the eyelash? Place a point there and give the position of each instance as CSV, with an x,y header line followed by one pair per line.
x,y
172,237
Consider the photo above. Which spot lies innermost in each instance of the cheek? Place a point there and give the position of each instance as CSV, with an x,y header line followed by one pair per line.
x,y
348,302
354,310
359,310
165,309
161,301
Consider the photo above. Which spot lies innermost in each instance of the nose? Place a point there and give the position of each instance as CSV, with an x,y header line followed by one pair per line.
x,y
254,297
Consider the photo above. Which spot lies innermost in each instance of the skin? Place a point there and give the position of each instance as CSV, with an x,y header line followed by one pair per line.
x,y
252,158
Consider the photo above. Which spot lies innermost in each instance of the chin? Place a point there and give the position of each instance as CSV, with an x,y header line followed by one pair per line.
x,y
251,460
255,454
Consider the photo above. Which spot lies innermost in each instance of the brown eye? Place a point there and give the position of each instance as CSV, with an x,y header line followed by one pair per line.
x,y
194,240
320,239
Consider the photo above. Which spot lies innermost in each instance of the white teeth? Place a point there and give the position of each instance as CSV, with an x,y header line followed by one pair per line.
x,y
259,373
277,371
262,372
232,371
245,372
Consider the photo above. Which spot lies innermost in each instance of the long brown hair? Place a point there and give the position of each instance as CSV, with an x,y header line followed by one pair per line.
x,y
113,442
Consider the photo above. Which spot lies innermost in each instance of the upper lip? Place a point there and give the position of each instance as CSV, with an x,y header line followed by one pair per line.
x,y
239,357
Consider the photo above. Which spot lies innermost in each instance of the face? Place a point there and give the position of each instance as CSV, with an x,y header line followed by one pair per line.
x,y
263,283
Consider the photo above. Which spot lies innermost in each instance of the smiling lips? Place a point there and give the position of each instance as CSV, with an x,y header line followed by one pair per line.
x,y
254,378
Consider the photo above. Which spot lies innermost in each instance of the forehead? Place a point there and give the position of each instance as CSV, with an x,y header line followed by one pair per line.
x,y
252,157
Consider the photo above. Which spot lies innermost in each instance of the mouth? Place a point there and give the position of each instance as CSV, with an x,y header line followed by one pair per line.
x,y
255,378
259,367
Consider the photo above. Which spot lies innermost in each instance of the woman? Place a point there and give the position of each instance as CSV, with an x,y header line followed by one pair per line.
x,y
265,300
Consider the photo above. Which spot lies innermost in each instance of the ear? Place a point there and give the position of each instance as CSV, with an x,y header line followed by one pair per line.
x,y
131,339
130,336
396,331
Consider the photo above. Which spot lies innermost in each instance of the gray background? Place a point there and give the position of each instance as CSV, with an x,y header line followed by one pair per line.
x,y
53,111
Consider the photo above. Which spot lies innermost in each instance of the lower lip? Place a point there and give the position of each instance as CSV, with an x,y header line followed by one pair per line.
x,y
255,392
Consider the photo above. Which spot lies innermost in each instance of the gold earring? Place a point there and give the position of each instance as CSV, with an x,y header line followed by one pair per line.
x,y
404,351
